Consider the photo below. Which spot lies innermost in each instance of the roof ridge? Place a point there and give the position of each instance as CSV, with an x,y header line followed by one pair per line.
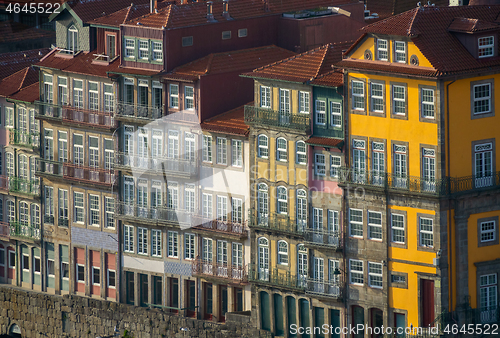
x,y
128,12
168,9
322,61
410,26
209,63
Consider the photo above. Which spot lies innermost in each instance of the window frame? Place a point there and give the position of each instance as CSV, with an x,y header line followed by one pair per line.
x,y
422,103
142,241
373,275
304,102
265,92
94,211
107,279
355,97
207,148
320,114
359,272
282,251
336,114
357,222
281,152
421,232
221,150
374,99
78,280
317,164
173,248
237,153
403,228
129,48
94,269
128,238
173,97
491,98
381,50
301,155
490,46
263,150
374,225
399,53
189,246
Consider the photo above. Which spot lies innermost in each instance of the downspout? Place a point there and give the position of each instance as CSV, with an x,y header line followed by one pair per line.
x,y
344,194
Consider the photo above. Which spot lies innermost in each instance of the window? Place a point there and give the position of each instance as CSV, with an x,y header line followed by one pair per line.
x,y
302,261
96,275
156,243
400,51
488,231
300,147
427,97
335,162
399,100
93,96
319,164
26,262
109,154
189,150
2,257
173,144
332,266
237,210
226,35
80,273
265,97
157,51
207,206
262,141
11,211
63,146
356,222
304,100
429,169
237,154
79,208
356,272
63,207
282,200
189,246
174,96
93,152
172,244
78,149
158,98
263,203
488,293
336,110
9,164
128,92
72,39
129,48
400,168
333,222
485,46
77,93
49,205
375,275
143,49
9,117
142,241
109,210
221,150
281,149
128,238
188,97
320,112
207,250
400,279
35,215
111,279
282,252
242,32
482,98
237,257
284,101
48,88
222,208
398,228
377,97
62,93
187,41
426,234
483,165
319,269
358,95
382,53
94,210
12,258
111,45
37,266
222,253
374,225
207,148
318,219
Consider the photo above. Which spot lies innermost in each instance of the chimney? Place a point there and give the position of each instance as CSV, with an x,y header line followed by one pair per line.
x,y
152,6
224,7
210,15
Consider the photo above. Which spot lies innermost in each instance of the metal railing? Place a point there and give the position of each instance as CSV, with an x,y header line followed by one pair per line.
x,y
4,230
466,316
4,183
75,172
22,138
275,222
268,117
214,269
21,230
275,278
139,111
69,114
224,227
157,164
322,237
156,214
331,289
29,187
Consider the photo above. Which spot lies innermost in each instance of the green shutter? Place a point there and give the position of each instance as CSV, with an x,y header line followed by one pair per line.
x,y
319,320
265,311
304,315
278,314
335,322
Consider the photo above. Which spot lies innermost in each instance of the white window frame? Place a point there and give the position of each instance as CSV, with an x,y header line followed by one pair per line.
x,y
335,164
157,47
79,208
189,99
488,232
319,165
486,98
398,228
94,268
281,151
484,47
156,245
429,241
356,273
374,223
237,153
130,48
207,148
282,252
354,225
242,32
263,151
107,278
304,102
78,280
265,97
128,238
301,149
397,100
207,206
377,97
173,90
142,241
285,101
400,51
93,98
375,277
320,112
221,150
382,50
358,95
282,200
94,213
429,104
143,49
172,244
189,246
318,219
109,212
336,114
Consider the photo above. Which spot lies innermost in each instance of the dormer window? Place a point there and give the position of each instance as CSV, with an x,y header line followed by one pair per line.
x,y
382,53
485,46
73,38
400,51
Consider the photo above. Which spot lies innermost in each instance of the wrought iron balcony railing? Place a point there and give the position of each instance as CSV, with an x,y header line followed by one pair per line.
x,y
78,173
77,115
138,111
157,164
268,117
4,183
22,230
325,238
24,139
275,222
4,230
156,214
273,277
217,270
29,187
230,228
331,289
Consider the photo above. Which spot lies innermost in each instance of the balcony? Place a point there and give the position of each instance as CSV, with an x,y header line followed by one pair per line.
x,y
224,228
256,116
158,165
4,230
4,183
22,186
323,238
138,213
78,116
24,139
327,289
231,274
137,112
278,223
73,172
24,231
276,279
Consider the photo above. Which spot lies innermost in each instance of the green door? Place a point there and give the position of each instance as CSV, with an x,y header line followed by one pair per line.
x,y
335,322
265,312
291,313
304,315
278,315
319,320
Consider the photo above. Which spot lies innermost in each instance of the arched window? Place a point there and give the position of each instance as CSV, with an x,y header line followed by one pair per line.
x,y
300,147
11,211
263,204
301,209
263,143
23,167
302,263
35,216
282,252
282,200
73,38
24,213
281,149
9,162
263,259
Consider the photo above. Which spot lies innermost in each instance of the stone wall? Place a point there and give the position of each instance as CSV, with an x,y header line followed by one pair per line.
x,y
43,315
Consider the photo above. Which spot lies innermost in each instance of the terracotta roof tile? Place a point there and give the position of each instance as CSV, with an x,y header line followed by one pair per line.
x,y
325,141
13,62
303,67
387,8
15,31
234,61
231,122
383,66
21,79
467,25
115,19
30,93
333,79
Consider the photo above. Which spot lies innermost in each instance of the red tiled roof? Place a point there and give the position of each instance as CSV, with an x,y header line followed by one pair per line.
x,y
30,93
387,8
15,82
234,61
467,25
335,78
13,62
117,18
231,122
304,67
15,31
428,28
325,141
390,67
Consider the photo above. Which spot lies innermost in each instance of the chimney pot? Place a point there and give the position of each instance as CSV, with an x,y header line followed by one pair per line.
x,y
152,6
224,6
209,10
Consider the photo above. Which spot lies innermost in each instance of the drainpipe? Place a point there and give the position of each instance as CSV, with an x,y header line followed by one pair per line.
x,y
344,195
